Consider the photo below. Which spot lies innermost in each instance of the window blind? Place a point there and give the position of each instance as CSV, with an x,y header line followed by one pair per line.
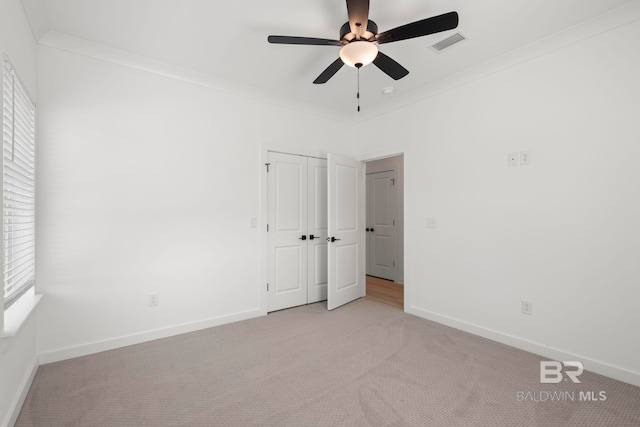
x,y
18,172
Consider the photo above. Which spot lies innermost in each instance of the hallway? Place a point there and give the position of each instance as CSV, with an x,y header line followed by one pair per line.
x,y
385,291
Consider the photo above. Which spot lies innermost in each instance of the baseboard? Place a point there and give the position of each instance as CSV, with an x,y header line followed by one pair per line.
x,y
112,344
596,366
23,390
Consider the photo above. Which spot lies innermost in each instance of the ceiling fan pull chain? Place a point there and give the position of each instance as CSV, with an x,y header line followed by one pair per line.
x,y
358,94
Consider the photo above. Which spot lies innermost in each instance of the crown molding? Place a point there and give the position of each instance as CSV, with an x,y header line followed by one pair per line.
x,y
593,27
74,45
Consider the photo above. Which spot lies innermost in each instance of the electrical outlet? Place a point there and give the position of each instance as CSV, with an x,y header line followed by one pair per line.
x,y
527,307
431,223
512,159
525,158
153,300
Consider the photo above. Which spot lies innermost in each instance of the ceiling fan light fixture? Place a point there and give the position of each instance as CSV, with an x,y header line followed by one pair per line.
x,y
359,53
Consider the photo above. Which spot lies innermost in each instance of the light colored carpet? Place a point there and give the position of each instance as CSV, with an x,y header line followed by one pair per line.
x,y
362,364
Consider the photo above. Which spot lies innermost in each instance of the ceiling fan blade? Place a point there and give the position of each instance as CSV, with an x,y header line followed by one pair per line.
x,y
432,25
358,11
390,67
329,72
303,40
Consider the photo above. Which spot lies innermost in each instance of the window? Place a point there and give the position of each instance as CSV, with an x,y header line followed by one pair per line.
x,y
18,181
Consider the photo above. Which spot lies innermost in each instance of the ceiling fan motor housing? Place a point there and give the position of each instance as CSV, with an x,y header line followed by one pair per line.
x,y
347,36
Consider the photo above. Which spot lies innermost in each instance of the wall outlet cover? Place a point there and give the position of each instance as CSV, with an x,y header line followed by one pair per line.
x,y
512,160
153,300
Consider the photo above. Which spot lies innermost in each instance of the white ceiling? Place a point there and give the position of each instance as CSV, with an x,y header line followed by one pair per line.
x,y
228,40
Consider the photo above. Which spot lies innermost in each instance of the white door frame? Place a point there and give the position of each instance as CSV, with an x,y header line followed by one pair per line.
x,y
384,154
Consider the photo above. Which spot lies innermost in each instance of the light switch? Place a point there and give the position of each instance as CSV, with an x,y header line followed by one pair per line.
x,y
254,222
513,159
431,223
525,158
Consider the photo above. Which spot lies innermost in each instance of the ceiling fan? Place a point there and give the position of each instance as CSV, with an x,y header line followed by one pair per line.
x,y
359,40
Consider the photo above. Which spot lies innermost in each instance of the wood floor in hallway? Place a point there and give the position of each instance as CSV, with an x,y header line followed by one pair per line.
x,y
385,291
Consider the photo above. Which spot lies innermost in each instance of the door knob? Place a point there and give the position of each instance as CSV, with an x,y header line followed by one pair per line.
x,y
372,230
303,237
367,229
332,239
311,237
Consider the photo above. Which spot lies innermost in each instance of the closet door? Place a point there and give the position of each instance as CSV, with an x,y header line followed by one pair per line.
x,y
317,230
287,246
346,260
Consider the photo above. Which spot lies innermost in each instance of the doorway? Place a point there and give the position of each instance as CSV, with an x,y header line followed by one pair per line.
x,y
385,291
385,230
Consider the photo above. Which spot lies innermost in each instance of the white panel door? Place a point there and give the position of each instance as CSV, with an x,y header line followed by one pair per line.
x,y
382,240
346,198
368,220
287,219
317,230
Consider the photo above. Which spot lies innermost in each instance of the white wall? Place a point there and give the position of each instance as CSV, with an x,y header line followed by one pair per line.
x,y
562,232
17,353
148,185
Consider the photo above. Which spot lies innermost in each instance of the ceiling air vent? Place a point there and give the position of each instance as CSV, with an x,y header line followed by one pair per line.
x,y
448,42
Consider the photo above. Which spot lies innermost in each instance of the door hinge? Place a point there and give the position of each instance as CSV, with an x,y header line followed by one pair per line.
x,y
393,181
267,287
394,263
267,165
394,222
267,228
